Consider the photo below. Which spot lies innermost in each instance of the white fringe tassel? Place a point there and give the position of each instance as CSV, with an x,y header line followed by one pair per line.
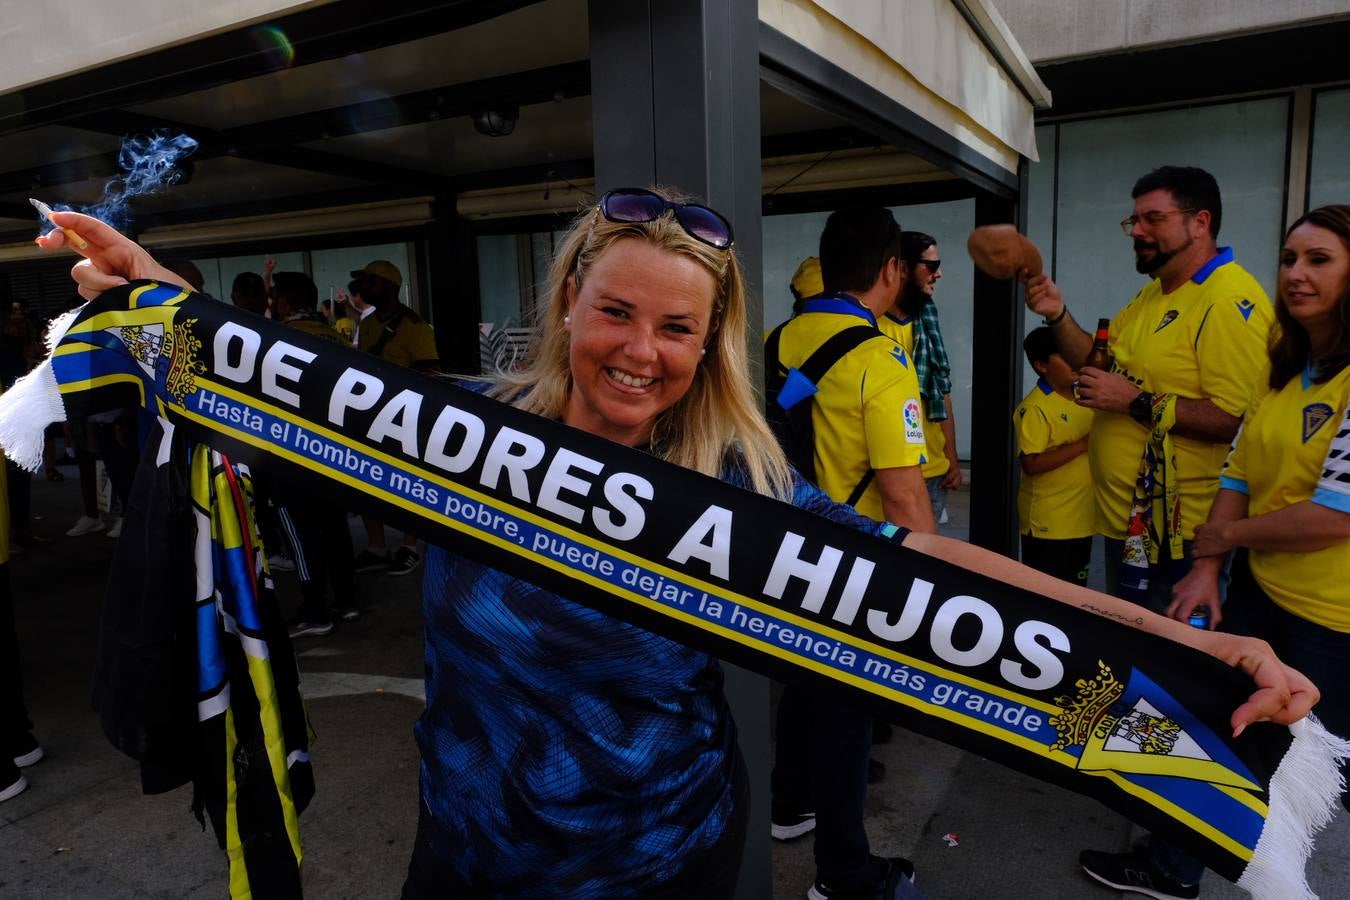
x,y
1305,793
33,403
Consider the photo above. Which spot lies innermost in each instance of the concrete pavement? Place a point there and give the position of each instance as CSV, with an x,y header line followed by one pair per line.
x,y
84,830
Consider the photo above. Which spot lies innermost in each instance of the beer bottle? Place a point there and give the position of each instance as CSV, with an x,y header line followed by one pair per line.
x,y
1099,357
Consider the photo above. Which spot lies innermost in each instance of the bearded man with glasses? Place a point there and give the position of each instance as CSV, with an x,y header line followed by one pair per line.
x,y
1189,355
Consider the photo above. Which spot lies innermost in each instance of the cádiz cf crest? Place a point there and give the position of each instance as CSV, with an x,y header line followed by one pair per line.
x,y
1137,729
1315,415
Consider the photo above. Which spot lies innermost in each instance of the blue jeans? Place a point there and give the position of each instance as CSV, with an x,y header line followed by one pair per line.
x,y
937,495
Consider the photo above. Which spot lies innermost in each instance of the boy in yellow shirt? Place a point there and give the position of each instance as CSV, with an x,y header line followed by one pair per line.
x,y
1054,503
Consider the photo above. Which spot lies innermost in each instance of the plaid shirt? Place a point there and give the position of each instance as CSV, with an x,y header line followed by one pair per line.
x,y
931,364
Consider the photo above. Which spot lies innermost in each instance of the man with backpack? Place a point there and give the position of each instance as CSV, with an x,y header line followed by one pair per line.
x,y
844,400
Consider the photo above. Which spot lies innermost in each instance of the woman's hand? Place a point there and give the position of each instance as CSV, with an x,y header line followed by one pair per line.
x,y
1283,694
110,259
1200,587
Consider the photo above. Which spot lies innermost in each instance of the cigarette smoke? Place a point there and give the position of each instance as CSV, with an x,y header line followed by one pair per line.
x,y
150,164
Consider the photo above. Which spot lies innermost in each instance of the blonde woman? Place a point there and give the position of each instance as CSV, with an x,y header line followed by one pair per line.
x,y
569,754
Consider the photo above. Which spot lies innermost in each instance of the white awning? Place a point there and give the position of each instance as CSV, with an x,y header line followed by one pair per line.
x,y
42,41
953,62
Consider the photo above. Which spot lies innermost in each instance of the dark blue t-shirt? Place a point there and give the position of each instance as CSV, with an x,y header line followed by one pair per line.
x,y
566,753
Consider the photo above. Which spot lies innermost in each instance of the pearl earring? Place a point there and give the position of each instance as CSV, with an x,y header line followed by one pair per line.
x,y
703,351
567,320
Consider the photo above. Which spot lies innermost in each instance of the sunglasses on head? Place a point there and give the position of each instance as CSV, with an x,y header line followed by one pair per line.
x,y
638,205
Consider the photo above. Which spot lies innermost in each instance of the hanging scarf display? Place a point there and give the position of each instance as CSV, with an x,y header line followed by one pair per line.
x,y
1155,509
194,675
1062,693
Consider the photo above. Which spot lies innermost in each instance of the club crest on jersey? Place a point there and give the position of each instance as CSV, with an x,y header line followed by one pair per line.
x,y
1315,415
1245,307
913,414
1168,318
898,353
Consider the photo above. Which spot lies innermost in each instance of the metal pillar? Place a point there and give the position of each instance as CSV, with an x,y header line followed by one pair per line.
x,y
675,101
452,275
997,389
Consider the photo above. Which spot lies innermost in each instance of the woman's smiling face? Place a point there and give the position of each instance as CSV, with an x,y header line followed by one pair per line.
x,y
639,322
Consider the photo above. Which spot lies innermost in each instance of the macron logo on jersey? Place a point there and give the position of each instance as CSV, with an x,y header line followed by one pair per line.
x,y
1245,307
898,354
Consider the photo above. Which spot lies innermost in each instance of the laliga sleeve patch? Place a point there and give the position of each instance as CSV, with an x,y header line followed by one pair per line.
x,y
913,421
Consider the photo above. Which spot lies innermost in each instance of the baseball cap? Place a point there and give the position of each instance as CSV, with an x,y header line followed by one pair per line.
x,y
806,281
382,268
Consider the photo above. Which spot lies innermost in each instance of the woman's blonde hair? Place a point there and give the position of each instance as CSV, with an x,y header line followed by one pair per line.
x,y
718,420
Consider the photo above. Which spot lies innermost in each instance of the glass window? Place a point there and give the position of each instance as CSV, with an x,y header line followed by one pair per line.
x,y
499,280
1329,177
1075,222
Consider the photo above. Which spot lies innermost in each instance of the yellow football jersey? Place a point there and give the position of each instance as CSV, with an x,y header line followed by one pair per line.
x,y
866,413
935,456
1055,505
1206,339
1295,446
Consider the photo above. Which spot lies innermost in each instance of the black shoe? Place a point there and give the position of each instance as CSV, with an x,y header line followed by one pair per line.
x,y
405,561
876,771
1135,872
303,628
885,879
882,732
26,751
786,826
347,613
369,561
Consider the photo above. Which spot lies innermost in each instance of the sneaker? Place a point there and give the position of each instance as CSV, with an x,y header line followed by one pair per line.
x,y
405,561
115,531
309,629
280,562
1136,873
14,788
787,827
86,525
886,879
27,751
347,613
369,560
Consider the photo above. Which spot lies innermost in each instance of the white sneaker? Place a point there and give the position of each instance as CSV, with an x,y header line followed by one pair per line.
x,y
115,531
86,525
13,790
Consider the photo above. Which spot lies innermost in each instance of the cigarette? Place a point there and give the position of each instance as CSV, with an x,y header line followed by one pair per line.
x,y
46,212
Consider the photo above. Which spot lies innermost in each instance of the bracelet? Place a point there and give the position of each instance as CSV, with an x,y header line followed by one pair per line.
x,y
1063,311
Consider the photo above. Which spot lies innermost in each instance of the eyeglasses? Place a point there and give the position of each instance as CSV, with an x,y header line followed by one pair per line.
x,y
1152,219
932,264
638,205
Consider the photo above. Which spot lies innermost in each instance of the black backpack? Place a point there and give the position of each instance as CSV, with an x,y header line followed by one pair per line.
x,y
787,390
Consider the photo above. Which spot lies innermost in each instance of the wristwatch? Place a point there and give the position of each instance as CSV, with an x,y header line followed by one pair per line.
x,y
1141,408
